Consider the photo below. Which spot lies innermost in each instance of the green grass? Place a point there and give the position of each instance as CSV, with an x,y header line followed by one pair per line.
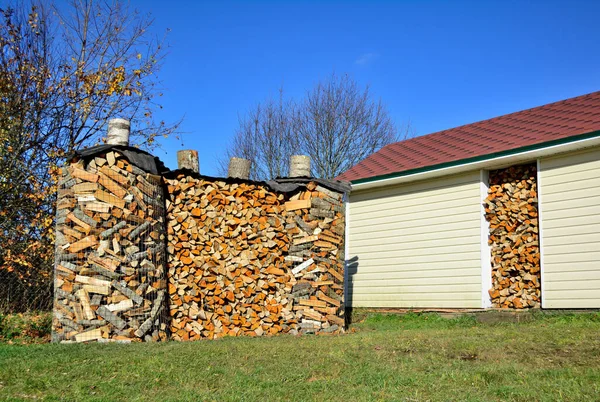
x,y
412,358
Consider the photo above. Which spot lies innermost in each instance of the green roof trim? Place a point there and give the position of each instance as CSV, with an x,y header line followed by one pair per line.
x,y
481,158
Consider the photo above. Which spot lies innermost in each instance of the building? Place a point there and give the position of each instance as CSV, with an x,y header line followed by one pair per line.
x,y
417,231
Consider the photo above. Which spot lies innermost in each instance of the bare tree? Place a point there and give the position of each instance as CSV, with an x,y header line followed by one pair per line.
x,y
339,124
266,137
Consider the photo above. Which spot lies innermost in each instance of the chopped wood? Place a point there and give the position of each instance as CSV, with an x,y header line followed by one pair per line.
x,y
303,266
83,175
112,318
83,296
91,335
306,239
86,227
327,299
109,199
85,188
109,232
91,281
84,243
240,259
511,208
112,186
116,262
97,207
312,303
123,305
103,290
297,204
254,263
114,175
128,292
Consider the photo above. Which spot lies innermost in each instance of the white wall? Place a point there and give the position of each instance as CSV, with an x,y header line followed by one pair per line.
x,y
417,244
569,189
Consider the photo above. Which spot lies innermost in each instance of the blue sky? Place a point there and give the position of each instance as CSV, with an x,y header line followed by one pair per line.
x,y
437,64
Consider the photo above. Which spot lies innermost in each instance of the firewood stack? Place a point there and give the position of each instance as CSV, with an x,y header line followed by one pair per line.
x,y
226,248
244,261
512,211
110,264
315,223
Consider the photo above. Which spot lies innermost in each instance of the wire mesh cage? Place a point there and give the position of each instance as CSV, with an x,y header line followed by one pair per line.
x,y
316,222
110,282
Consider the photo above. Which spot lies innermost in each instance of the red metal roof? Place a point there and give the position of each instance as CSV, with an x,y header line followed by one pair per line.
x,y
554,121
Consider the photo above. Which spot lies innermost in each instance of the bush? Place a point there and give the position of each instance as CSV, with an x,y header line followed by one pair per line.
x,y
29,327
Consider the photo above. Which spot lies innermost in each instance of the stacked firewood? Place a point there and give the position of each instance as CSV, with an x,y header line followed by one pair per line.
x,y
110,264
230,273
315,222
227,273
511,209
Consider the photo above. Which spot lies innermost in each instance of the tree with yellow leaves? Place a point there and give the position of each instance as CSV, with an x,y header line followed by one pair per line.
x,y
64,72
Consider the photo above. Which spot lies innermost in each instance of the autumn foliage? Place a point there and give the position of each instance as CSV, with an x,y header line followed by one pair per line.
x,y
64,72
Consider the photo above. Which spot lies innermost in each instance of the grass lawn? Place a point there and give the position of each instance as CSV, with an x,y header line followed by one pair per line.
x,y
413,358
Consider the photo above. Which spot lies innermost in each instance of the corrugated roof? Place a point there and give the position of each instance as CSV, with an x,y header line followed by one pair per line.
x,y
554,121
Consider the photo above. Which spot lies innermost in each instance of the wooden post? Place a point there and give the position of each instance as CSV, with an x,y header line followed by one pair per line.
x,y
239,168
188,159
118,132
299,166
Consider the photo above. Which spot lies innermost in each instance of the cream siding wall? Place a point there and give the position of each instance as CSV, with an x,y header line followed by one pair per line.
x,y
570,222
417,245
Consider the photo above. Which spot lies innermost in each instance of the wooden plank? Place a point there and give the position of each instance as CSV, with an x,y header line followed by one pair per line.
x,y
87,280
306,239
92,335
119,178
121,306
335,319
79,222
111,185
97,206
313,315
82,244
110,199
83,175
328,299
83,296
85,188
297,204
303,266
312,303
102,290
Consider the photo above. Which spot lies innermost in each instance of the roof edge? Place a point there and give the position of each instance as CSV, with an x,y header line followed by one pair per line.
x,y
482,158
